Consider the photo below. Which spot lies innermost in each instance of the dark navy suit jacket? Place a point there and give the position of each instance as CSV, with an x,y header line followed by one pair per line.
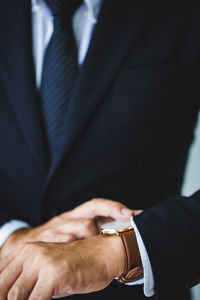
x,y
126,134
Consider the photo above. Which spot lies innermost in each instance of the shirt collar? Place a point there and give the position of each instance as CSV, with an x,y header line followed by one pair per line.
x,y
93,7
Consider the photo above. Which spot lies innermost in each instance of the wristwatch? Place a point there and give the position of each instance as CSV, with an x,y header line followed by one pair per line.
x,y
133,270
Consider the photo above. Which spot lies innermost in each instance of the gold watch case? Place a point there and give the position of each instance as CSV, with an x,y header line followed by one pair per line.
x,y
113,231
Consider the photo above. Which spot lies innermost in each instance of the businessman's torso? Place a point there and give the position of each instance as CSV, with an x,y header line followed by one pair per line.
x,y
129,124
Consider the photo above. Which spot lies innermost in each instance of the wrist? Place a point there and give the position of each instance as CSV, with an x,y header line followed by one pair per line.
x,y
115,254
15,241
133,267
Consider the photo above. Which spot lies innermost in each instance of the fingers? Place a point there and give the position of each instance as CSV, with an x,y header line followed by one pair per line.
x,y
81,228
20,290
68,238
83,222
100,221
5,261
69,230
56,237
41,291
21,278
6,280
104,208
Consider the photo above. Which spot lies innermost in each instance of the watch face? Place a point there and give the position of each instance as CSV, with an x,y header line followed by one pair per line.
x,y
116,226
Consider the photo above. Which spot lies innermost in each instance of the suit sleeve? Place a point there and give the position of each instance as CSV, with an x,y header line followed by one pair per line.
x,y
5,217
171,234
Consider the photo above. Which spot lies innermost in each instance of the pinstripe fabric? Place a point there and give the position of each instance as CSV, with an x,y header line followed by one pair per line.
x,y
59,71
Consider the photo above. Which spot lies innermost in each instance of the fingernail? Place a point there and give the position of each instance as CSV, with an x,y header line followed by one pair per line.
x,y
137,212
126,211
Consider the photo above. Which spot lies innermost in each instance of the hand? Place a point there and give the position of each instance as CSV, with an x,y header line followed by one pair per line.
x,y
81,222
46,270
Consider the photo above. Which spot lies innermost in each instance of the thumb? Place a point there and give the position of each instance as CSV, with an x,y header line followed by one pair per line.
x,y
100,207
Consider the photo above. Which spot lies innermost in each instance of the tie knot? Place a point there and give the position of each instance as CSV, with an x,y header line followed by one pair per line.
x,y
63,7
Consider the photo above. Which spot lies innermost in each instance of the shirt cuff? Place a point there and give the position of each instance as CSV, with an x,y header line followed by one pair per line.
x,y
148,279
8,228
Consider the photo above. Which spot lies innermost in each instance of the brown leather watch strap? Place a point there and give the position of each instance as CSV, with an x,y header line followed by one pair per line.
x,y
134,270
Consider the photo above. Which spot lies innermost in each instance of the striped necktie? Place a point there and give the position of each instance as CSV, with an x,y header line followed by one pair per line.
x,y
59,70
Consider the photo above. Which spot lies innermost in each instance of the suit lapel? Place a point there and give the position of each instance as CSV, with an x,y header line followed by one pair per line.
x,y
119,26
18,72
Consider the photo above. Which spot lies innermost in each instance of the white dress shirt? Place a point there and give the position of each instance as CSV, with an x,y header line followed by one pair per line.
x,y
84,21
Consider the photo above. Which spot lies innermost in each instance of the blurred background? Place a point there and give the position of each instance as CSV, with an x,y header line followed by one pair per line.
x,y
192,181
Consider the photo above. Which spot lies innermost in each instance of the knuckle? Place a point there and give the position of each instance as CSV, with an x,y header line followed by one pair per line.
x,y
95,200
27,248
59,219
53,269
35,249
99,201
45,235
114,205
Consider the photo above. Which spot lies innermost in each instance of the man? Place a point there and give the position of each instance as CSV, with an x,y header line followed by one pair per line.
x,y
125,136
